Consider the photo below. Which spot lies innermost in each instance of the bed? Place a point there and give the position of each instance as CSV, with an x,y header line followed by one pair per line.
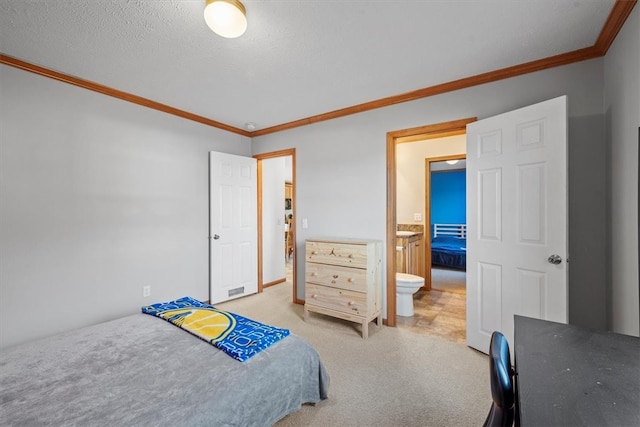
x,y
143,371
449,246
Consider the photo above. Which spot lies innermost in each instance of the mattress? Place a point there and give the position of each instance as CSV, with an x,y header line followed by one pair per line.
x,y
449,251
143,371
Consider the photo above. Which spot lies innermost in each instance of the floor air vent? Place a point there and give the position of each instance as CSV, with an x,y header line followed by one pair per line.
x,y
236,291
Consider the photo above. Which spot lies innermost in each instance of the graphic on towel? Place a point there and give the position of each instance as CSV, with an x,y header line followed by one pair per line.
x,y
238,336
208,323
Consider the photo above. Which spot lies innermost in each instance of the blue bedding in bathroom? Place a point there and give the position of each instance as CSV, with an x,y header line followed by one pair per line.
x,y
449,251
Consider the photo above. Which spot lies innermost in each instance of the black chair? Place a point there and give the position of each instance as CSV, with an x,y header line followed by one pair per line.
x,y
503,409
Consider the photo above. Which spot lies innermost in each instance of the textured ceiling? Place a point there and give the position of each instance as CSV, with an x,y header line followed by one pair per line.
x,y
297,58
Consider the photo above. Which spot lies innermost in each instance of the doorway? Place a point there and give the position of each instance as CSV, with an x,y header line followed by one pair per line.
x,y
284,234
431,197
457,127
445,238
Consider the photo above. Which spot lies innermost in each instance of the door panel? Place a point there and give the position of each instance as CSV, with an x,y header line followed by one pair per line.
x,y
233,226
517,218
489,196
490,298
531,200
532,288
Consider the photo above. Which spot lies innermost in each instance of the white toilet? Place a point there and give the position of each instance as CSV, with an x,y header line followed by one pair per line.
x,y
406,286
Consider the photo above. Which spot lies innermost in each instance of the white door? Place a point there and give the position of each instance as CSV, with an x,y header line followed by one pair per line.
x,y
233,226
517,219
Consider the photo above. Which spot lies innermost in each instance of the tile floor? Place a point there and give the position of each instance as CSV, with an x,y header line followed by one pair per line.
x,y
438,313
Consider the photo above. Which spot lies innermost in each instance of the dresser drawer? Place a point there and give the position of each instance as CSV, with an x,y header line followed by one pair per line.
x,y
353,279
335,253
336,299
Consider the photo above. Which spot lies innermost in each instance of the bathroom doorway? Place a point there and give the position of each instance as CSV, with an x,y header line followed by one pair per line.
x,y
431,167
401,186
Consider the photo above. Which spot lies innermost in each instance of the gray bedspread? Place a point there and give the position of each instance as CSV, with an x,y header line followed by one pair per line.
x,y
143,371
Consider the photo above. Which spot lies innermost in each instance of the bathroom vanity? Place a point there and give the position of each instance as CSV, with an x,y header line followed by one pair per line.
x,y
410,252
343,278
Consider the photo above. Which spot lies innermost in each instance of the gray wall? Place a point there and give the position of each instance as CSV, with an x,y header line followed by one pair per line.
x,y
341,168
98,197
622,109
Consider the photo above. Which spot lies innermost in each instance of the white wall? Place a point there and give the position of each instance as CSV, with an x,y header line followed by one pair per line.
x,y
410,165
622,107
98,197
341,164
273,179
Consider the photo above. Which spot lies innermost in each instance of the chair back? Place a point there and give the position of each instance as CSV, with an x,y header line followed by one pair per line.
x,y
501,375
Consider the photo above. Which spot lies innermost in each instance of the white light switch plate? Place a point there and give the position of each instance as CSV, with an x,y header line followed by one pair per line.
x,y
417,217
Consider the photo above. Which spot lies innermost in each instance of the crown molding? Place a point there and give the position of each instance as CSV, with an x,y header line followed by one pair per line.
x,y
125,96
617,17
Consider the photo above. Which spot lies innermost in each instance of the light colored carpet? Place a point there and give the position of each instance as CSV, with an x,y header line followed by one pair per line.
x,y
449,280
394,378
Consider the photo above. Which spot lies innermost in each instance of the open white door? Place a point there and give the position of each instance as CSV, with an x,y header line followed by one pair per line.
x,y
517,219
233,226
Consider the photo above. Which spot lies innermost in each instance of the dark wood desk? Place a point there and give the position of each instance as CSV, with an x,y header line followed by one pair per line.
x,y
572,376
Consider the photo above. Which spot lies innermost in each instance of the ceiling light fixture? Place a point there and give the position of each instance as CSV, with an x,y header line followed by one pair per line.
x,y
227,18
452,162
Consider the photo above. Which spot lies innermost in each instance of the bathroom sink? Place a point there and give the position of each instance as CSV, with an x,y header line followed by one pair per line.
x,y
405,233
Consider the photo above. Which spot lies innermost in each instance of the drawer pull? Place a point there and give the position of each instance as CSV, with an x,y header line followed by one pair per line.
x,y
314,274
350,256
314,296
314,252
351,303
335,276
350,280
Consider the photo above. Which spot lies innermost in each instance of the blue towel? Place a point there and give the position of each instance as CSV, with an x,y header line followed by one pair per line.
x,y
239,337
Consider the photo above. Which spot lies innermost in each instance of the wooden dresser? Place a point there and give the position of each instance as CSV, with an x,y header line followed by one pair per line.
x,y
343,278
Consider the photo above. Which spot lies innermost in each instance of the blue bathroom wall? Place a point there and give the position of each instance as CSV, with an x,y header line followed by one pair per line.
x,y
448,197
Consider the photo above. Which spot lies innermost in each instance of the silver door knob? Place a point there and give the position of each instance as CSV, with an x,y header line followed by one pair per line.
x,y
554,259
216,237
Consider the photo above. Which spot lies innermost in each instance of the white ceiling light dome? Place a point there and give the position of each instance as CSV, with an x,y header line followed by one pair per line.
x,y
227,18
